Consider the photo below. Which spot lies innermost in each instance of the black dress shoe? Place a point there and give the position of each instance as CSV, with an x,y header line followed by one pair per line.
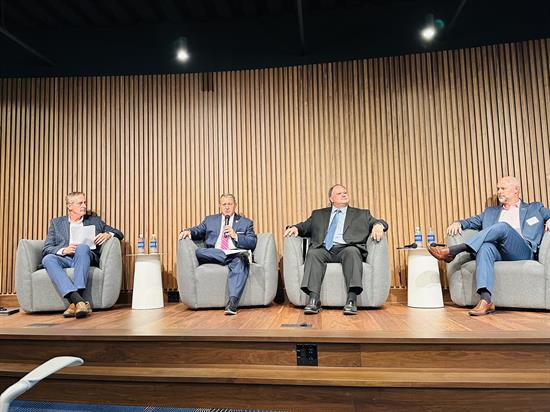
x,y
350,308
231,308
313,307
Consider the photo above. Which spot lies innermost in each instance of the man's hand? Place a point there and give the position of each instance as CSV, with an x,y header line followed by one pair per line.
x,y
102,238
377,232
69,250
454,228
547,226
291,231
229,231
184,234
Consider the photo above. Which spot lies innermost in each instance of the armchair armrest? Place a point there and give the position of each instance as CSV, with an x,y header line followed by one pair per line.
x,y
293,258
187,263
265,254
377,257
110,262
29,256
544,259
463,257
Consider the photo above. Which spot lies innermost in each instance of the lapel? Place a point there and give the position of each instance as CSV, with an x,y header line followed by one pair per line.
x,y
350,213
326,218
522,214
65,227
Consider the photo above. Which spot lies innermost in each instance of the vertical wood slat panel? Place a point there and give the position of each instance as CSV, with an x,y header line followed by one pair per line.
x,y
419,139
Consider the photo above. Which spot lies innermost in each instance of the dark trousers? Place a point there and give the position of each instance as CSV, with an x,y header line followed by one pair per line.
x,y
316,265
238,268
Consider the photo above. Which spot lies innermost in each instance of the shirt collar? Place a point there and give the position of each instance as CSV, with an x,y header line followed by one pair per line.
x,y
512,206
341,209
78,221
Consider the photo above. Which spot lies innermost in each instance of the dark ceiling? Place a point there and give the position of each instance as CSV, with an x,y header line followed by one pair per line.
x,y
87,37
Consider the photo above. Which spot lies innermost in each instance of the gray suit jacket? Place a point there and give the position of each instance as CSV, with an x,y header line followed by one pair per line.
x,y
59,233
357,227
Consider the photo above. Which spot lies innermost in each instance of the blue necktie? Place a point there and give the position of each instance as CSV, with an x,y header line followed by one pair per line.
x,y
329,238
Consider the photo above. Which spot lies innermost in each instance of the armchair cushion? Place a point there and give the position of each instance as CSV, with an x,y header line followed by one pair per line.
x,y
36,292
376,275
205,286
518,284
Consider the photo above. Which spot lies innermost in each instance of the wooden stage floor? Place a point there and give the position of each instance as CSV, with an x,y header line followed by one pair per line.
x,y
392,320
390,358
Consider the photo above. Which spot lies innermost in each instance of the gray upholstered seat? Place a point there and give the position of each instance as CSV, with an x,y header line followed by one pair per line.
x,y
36,292
518,284
205,286
376,275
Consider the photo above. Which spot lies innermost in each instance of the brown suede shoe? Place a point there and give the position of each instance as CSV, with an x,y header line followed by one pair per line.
x,y
441,253
88,306
81,310
482,308
70,311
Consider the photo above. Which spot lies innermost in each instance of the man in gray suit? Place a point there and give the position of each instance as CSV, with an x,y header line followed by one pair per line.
x,y
61,251
338,234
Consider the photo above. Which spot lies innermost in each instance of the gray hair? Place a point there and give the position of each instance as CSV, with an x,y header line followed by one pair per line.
x,y
228,195
72,196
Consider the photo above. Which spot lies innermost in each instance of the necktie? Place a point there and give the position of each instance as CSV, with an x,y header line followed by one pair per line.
x,y
224,244
329,238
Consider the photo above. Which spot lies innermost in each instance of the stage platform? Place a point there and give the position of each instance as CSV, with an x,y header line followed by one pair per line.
x,y
390,358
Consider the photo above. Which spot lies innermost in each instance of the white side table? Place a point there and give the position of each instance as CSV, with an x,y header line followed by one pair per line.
x,y
423,282
147,293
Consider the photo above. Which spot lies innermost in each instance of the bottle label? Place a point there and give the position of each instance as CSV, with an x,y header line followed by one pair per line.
x,y
418,238
431,238
153,244
141,244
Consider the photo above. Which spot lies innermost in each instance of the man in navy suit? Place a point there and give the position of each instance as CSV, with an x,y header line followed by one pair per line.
x,y
511,231
61,252
228,238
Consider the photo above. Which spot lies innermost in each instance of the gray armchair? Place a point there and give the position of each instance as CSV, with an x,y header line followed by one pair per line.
x,y
37,293
376,275
205,286
518,284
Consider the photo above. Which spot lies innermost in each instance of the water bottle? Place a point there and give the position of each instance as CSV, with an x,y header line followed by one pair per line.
x,y
430,238
141,244
153,246
418,236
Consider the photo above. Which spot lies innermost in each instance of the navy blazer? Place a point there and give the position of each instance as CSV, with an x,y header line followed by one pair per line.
x,y
59,233
209,231
532,217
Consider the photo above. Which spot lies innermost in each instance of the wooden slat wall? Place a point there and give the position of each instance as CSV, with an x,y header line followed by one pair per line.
x,y
419,139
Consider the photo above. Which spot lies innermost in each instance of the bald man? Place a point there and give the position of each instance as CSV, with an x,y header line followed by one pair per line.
x,y
512,230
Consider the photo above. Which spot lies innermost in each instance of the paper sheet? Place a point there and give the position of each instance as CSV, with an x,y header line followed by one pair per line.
x,y
83,235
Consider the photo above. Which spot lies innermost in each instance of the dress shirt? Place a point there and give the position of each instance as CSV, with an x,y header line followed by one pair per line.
x,y
230,244
510,215
339,234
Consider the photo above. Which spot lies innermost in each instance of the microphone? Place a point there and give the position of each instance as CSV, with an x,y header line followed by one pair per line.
x,y
226,224
413,245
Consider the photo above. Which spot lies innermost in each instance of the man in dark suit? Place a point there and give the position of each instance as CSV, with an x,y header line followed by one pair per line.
x,y
510,231
61,251
338,234
228,238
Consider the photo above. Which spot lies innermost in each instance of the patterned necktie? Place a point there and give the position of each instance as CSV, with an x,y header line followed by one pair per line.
x,y
329,238
224,244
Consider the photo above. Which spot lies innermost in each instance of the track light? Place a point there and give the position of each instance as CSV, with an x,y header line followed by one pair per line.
x,y
432,28
182,53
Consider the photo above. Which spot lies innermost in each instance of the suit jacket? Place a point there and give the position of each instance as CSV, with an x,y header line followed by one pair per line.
x,y
59,233
357,227
209,231
532,217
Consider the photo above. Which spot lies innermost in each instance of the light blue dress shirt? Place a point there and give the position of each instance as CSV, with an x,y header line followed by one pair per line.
x,y
339,234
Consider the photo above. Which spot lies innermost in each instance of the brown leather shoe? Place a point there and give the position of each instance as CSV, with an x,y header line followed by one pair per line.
x,y
81,310
70,311
88,306
441,253
482,308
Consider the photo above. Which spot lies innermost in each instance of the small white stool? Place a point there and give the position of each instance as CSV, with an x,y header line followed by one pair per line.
x,y
423,282
147,293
